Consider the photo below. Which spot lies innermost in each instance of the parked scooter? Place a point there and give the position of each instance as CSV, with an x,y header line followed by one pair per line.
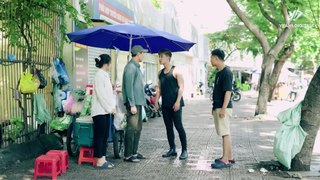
x,y
236,95
151,92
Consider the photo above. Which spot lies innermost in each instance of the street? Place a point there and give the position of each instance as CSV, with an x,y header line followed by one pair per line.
x,y
252,143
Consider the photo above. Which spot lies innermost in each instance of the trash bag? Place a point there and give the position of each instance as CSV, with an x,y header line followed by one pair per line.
x,y
41,112
290,136
61,123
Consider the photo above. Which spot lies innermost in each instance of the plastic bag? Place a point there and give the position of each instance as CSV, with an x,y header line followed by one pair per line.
x,y
144,115
290,137
54,74
28,83
86,110
120,121
71,106
41,113
58,96
41,78
61,71
61,123
75,102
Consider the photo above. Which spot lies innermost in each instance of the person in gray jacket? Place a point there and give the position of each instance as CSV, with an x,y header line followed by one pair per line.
x,y
134,100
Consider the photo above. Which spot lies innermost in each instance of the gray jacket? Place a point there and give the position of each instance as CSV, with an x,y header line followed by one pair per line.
x,y
133,85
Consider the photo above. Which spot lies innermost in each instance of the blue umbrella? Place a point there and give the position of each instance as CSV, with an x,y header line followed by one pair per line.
x,y
124,36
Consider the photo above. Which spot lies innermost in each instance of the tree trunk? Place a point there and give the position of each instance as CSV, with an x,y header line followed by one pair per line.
x,y
310,122
278,67
264,84
275,77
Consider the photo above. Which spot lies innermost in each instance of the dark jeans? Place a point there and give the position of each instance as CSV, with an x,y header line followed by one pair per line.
x,y
133,132
101,125
174,118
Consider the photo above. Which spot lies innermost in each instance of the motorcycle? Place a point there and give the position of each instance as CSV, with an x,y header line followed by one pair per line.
x,y
151,92
235,94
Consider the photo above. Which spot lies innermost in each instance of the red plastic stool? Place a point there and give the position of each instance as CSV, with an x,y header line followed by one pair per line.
x,y
48,166
63,157
86,155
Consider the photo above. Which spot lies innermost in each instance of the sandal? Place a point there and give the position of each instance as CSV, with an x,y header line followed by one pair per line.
x,y
106,165
220,165
230,161
132,159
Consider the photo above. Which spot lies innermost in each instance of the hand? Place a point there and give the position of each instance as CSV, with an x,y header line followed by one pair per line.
x,y
156,107
176,106
133,110
114,111
222,113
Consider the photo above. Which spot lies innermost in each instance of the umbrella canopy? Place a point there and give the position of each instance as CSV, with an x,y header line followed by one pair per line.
x,y
124,36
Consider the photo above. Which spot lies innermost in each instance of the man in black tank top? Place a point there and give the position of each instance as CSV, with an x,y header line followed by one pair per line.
x,y
171,89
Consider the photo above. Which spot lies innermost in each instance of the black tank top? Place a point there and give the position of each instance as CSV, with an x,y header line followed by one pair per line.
x,y
169,89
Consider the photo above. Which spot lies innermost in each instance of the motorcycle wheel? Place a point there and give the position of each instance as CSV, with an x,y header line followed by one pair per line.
x,y
72,147
149,112
236,96
118,141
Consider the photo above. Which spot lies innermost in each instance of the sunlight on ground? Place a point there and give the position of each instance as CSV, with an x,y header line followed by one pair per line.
x,y
264,134
265,147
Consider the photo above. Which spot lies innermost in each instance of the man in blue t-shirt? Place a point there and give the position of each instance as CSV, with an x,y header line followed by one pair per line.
x,y
222,107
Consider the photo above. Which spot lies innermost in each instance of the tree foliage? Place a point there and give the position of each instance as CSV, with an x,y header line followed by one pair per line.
x,y
238,37
156,3
23,21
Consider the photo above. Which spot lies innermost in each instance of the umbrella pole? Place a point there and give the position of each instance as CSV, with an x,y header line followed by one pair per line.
x,y
130,46
116,66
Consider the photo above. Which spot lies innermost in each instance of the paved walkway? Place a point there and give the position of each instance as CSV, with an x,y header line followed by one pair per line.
x,y
252,142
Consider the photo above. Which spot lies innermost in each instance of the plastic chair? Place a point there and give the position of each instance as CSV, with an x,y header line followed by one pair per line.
x,y
48,166
86,155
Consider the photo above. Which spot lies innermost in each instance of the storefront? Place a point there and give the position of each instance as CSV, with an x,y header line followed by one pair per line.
x,y
108,12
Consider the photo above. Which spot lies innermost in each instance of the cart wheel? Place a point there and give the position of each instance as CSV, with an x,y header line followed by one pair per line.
x,y
72,147
118,139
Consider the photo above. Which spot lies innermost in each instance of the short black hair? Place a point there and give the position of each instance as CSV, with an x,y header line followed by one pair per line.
x,y
104,59
166,52
219,53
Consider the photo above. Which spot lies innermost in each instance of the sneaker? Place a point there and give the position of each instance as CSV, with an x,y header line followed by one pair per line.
x,y
170,153
220,165
139,156
131,159
230,161
184,155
